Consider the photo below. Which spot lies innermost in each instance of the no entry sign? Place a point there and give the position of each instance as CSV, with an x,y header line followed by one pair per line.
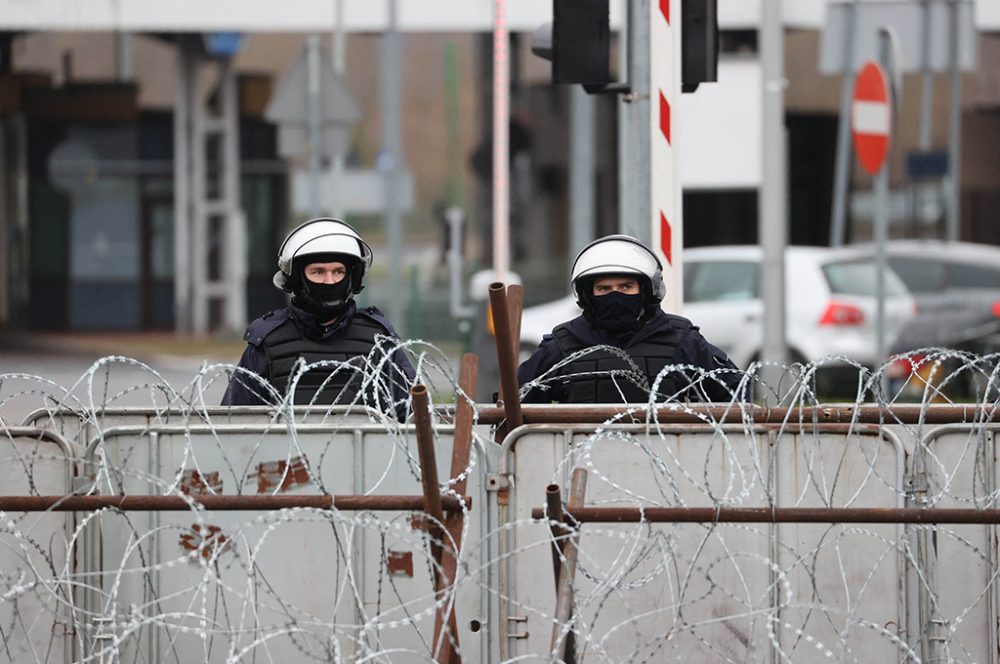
x,y
871,117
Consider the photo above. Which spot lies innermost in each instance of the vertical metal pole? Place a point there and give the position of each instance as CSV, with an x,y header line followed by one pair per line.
x,y
881,216
954,126
842,166
393,157
182,201
581,170
338,59
235,254
199,212
501,141
314,122
773,223
635,197
123,56
567,574
927,81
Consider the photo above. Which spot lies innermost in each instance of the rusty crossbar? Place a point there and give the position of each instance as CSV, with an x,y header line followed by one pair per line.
x,y
743,413
222,503
778,515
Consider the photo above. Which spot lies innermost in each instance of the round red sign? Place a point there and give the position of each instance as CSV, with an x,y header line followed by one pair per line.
x,y
871,117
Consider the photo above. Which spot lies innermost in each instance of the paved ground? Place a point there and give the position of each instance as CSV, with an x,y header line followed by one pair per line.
x,y
61,363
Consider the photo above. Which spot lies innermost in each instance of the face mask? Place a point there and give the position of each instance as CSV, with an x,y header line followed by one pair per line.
x,y
325,301
618,312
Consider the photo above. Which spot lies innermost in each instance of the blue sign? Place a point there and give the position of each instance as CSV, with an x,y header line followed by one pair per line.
x,y
223,44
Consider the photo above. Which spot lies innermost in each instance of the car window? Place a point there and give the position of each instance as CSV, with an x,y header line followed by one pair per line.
x,y
858,278
709,281
921,275
968,275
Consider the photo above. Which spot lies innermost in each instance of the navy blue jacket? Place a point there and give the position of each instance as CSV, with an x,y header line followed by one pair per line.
x,y
692,349
243,392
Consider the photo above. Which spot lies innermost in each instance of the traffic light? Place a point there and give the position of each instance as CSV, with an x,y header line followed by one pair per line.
x,y
578,42
699,43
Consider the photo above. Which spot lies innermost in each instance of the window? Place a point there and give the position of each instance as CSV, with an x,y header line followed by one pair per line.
x,y
858,278
710,281
921,275
970,275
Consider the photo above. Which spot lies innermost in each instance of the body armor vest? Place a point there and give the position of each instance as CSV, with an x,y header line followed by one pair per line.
x,y
285,345
603,377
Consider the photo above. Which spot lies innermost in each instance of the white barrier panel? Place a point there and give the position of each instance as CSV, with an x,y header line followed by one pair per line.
x,y
293,585
80,426
708,592
959,596
36,600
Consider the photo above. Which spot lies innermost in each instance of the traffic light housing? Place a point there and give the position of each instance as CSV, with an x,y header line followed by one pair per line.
x,y
578,43
699,43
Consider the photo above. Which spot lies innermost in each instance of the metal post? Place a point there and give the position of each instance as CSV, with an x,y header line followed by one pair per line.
x,y
235,248
199,210
954,126
842,165
881,215
773,222
338,59
182,199
635,158
313,122
454,521
123,56
567,573
927,80
455,217
581,170
392,159
505,355
501,141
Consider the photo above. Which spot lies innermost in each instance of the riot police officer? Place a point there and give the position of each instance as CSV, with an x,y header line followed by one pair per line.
x,y
322,263
618,283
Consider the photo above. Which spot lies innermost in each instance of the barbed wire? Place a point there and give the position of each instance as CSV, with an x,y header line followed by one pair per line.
x,y
344,585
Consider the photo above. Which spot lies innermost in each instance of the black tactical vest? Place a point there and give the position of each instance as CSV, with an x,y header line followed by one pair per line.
x,y
650,355
285,345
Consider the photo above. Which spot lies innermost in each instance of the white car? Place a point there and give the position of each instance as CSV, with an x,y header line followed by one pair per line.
x,y
830,303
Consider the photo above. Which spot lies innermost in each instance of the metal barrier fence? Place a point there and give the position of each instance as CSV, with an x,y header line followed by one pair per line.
x,y
790,531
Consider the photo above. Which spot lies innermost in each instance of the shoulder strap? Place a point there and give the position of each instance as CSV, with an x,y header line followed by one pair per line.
x,y
568,342
264,325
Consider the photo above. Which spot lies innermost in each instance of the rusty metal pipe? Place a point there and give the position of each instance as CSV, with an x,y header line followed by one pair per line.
x,y
553,512
446,641
506,355
425,448
840,414
238,503
914,515
567,574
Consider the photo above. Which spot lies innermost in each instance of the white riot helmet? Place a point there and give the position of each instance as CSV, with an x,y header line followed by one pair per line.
x,y
616,254
323,235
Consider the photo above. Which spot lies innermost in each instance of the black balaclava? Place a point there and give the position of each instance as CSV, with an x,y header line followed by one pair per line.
x,y
618,313
324,301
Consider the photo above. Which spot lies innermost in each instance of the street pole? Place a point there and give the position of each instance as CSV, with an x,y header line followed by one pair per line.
x,y
842,165
337,59
501,141
773,223
314,113
392,154
954,125
581,170
887,51
634,195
